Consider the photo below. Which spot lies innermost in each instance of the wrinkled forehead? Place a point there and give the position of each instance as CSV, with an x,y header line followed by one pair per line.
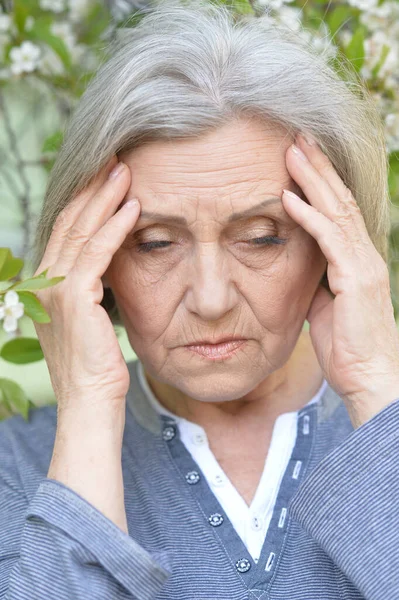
x,y
215,175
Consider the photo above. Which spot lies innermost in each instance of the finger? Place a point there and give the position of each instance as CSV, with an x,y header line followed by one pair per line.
x,y
335,245
325,190
97,253
95,213
70,213
322,163
316,189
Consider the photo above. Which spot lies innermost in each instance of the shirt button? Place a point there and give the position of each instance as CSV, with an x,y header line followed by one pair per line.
x,y
243,565
199,439
215,520
192,477
218,480
169,433
256,523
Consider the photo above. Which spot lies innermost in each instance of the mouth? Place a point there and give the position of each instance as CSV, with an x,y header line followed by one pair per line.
x,y
219,351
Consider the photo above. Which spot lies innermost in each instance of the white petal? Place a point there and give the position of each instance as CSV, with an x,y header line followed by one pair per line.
x,y
17,311
16,68
2,311
10,324
11,298
15,53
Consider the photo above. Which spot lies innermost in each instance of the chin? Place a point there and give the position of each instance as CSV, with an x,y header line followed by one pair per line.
x,y
217,386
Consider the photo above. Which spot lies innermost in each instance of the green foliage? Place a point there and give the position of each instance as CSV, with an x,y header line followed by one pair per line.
x,y
9,266
41,32
355,49
14,398
22,350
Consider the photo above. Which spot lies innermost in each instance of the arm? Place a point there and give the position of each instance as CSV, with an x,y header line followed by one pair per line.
x,y
349,505
59,546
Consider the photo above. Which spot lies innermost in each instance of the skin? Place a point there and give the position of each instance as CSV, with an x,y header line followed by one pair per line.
x,y
212,282
353,332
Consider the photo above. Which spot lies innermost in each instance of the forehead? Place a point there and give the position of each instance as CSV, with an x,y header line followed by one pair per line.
x,y
224,171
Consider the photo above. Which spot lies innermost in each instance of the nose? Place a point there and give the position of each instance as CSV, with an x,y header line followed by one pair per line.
x,y
211,290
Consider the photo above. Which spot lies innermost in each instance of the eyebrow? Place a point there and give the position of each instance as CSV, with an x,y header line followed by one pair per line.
x,y
177,220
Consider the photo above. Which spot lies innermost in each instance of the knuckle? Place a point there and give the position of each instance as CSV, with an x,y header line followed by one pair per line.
x,y
60,222
349,199
76,235
93,247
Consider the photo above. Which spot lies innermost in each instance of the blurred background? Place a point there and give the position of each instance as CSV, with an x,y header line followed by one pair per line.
x,y
49,50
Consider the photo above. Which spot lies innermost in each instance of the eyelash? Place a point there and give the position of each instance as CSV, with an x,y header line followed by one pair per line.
x,y
266,240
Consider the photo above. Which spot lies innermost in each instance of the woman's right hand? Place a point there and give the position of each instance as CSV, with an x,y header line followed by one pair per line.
x,y
79,344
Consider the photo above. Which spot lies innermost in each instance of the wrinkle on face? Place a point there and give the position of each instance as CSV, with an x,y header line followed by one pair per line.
x,y
211,281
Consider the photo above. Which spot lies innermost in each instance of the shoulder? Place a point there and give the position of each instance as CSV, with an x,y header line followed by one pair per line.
x,y
26,446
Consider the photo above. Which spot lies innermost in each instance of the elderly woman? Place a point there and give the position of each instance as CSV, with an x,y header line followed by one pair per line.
x,y
240,456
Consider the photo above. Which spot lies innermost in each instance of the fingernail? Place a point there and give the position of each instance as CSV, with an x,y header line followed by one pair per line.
x,y
309,139
116,170
291,195
131,203
299,152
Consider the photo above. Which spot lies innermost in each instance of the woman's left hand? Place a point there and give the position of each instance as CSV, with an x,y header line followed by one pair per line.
x,y
354,335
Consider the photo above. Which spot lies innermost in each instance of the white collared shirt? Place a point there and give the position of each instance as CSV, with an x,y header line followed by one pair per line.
x,y
250,522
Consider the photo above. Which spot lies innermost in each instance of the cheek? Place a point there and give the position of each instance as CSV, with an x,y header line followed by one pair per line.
x,y
280,295
275,285
146,302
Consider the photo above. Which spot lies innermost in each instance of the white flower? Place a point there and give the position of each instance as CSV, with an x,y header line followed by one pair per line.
x,y
24,57
56,6
274,4
291,17
78,9
5,22
11,310
63,30
373,47
364,4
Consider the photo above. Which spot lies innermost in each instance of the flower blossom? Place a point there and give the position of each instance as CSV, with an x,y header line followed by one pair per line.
x,y
11,310
24,57
56,6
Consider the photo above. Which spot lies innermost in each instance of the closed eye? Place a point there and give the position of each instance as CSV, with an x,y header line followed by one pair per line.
x,y
266,240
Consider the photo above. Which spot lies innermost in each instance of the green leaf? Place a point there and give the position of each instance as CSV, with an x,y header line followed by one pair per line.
x,y
354,51
4,254
11,266
341,14
21,12
14,397
41,32
36,283
34,308
393,177
53,142
22,350
95,23
384,53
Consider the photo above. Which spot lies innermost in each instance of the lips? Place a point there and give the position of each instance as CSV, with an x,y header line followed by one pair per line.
x,y
217,351
215,342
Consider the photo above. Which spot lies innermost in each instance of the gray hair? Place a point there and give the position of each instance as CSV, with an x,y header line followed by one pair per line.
x,y
186,69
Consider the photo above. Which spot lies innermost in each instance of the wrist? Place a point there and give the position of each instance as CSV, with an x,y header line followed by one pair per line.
x,y
91,418
364,405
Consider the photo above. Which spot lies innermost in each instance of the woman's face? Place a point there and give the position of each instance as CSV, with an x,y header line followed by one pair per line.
x,y
209,280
